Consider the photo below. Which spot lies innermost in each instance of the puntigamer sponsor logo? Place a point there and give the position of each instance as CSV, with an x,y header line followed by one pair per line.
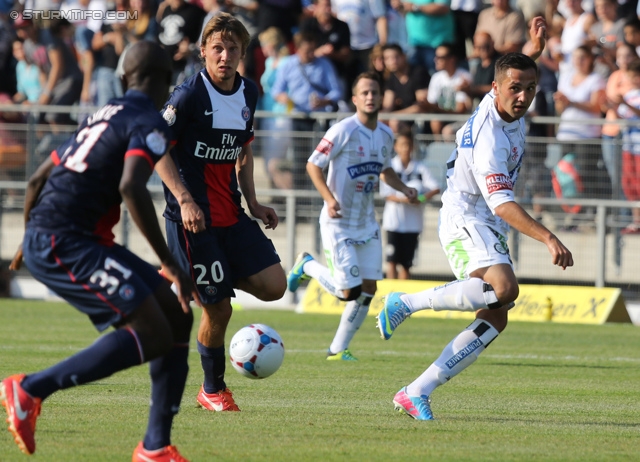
x,y
466,351
367,168
467,140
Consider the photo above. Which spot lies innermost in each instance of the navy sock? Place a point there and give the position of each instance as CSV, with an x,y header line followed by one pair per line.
x,y
109,354
168,378
213,365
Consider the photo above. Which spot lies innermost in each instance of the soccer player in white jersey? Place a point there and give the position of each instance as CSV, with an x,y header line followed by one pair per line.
x,y
357,152
478,208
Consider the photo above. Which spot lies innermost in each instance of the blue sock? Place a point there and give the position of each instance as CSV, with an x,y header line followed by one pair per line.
x,y
168,378
213,364
109,354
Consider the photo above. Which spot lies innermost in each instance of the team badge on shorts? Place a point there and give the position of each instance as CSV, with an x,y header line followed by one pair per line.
x,y
246,113
169,115
500,249
156,142
355,271
210,290
127,292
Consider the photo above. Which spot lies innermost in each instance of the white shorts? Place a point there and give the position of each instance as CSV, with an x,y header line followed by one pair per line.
x,y
352,256
471,244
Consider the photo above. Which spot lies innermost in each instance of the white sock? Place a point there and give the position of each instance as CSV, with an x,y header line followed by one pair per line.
x,y
466,295
322,274
352,318
459,354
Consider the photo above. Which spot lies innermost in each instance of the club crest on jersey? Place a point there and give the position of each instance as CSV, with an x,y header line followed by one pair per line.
x,y
169,115
156,142
498,182
384,151
127,292
246,113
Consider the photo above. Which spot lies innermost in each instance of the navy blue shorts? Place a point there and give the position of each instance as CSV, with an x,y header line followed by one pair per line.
x,y
218,257
107,283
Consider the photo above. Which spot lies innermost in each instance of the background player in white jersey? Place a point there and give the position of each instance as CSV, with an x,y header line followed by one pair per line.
x,y
478,208
357,152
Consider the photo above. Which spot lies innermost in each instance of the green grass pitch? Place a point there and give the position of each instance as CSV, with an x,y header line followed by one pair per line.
x,y
540,392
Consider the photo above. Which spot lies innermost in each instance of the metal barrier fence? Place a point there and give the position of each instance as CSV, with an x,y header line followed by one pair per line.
x,y
603,256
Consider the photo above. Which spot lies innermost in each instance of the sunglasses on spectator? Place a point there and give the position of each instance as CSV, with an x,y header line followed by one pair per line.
x,y
442,56
481,47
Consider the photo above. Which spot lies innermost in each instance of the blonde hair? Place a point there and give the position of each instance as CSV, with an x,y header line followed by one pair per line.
x,y
273,36
227,25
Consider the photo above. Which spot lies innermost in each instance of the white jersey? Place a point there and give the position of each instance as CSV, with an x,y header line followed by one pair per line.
x,y
355,156
483,169
401,217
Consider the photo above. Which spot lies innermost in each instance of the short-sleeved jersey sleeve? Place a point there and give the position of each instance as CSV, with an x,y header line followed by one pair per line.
x,y
176,109
491,172
329,146
150,140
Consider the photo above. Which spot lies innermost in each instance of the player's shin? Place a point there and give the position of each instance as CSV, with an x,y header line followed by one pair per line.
x,y
466,295
109,354
168,378
322,274
459,354
352,318
213,361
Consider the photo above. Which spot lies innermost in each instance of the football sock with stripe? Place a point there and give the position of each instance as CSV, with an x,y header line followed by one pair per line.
x,y
322,274
465,295
352,318
109,354
459,354
213,365
168,378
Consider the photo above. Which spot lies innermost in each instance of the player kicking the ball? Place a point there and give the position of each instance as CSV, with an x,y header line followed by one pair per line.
x,y
478,208
357,152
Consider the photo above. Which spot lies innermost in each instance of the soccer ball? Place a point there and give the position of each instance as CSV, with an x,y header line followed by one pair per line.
x,y
256,351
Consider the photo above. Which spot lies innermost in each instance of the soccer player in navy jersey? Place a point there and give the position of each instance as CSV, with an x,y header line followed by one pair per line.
x,y
72,203
208,232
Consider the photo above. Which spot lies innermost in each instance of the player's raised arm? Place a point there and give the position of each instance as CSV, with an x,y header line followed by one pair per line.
x,y
538,34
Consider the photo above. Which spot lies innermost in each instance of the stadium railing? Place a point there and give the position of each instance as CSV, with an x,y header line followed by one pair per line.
x,y
603,255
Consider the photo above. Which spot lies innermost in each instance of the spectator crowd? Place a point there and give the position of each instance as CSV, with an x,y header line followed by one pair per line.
x,y
433,57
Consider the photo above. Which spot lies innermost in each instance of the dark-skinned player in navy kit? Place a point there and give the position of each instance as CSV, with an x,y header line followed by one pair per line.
x,y
72,203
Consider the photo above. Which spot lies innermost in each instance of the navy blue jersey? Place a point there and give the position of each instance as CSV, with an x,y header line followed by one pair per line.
x,y
81,194
211,127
